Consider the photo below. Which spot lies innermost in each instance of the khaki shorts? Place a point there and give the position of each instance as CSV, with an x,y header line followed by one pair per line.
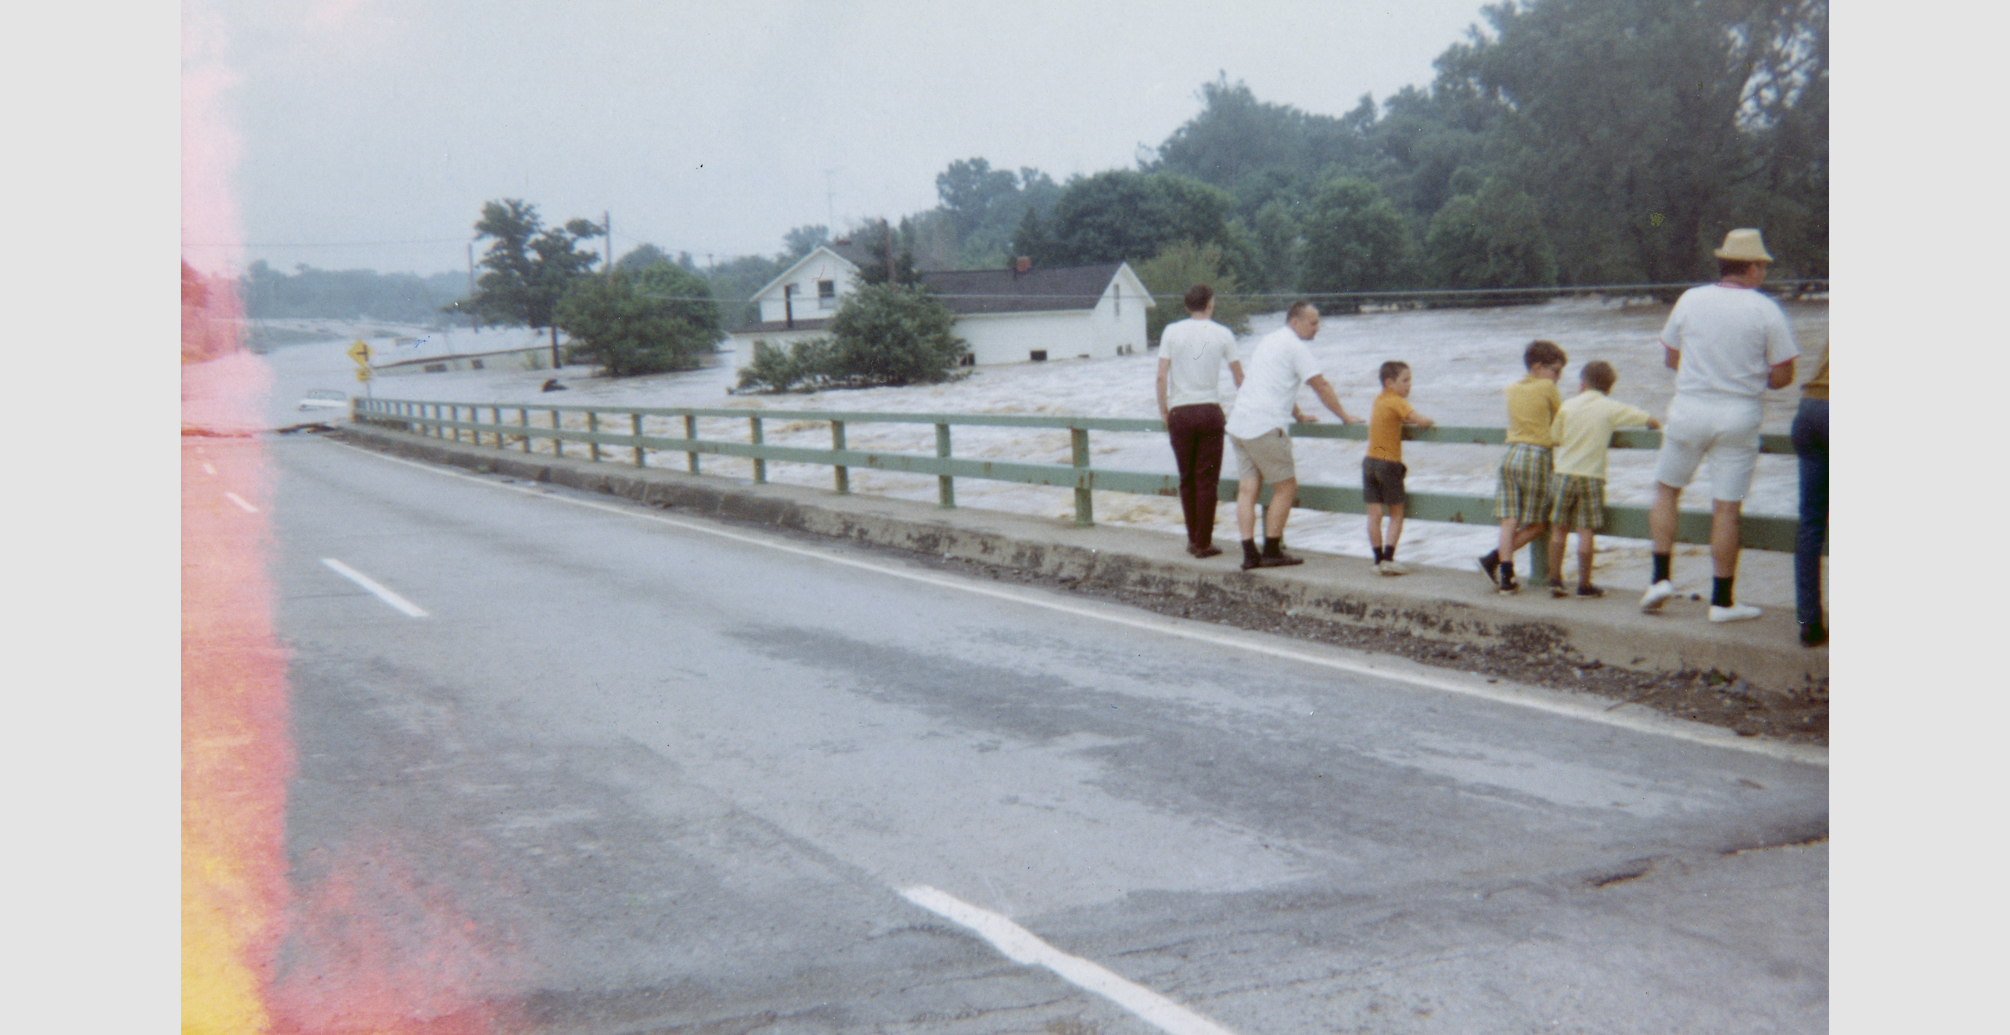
x,y
1267,455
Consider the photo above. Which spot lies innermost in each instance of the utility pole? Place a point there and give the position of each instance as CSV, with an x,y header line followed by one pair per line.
x,y
607,234
474,318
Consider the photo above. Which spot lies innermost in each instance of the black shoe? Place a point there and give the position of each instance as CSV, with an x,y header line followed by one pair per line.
x,y
1281,559
1204,551
1490,563
1251,561
1813,634
1507,586
1589,590
1557,589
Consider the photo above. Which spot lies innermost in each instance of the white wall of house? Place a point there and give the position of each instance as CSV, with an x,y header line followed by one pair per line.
x,y
821,281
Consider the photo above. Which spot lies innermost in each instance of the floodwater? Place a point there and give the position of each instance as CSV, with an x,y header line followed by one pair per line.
x,y
1461,359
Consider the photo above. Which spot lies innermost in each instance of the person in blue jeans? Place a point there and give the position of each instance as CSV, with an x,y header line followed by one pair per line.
x,y
1811,444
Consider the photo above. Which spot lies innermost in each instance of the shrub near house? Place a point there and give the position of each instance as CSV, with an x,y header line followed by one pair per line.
x,y
883,334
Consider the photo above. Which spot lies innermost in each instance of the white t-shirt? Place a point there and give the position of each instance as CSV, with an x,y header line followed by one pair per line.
x,y
1730,339
1195,349
1277,365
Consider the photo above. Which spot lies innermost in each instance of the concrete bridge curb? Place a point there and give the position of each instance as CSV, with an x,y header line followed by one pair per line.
x,y
1435,604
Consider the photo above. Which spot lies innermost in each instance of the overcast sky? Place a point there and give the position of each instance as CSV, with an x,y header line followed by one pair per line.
x,y
367,133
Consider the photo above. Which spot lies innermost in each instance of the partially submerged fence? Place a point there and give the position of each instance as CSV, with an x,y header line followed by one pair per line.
x,y
617,433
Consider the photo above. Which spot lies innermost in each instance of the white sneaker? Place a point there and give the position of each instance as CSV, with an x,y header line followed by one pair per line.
x,y
1734,613
1657,594
1391,568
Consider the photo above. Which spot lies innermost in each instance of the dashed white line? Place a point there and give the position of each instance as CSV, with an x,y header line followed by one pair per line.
x,y
241,505
1653,724
375,587
1024,947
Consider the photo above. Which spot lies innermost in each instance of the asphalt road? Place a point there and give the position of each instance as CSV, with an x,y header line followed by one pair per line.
x,y
570,765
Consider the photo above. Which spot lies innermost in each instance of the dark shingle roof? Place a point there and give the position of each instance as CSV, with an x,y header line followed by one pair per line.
x,y
976,292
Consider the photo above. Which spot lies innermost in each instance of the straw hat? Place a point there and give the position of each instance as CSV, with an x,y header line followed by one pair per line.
x,y
1743,245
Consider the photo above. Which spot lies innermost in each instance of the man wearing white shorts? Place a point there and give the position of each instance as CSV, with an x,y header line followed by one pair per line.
x,y
1265,406
1728,344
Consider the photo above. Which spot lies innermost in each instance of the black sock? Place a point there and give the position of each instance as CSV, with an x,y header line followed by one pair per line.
x,y
1720,591
1389,552
1249,549
1661,566
1383,553
1273,547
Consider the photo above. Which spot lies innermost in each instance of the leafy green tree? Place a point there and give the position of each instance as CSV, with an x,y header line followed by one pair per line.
x,y
528,267
803,240
1492,239
985,207
659,318
802,366
1355,240
892,255
1176,268
1129,216
1647,127
894,334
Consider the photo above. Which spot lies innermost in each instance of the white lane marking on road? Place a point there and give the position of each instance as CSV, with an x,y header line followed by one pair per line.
x,y
239,500
375,587
1649,723
1024,947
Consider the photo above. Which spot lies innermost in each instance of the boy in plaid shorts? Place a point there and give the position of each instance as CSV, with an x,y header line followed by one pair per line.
x,y
1583,432
1521,497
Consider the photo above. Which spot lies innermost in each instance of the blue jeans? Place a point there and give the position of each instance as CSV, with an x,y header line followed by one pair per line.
x,y
1811,444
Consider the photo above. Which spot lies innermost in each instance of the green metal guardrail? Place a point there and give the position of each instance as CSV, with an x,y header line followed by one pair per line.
x,y
444,419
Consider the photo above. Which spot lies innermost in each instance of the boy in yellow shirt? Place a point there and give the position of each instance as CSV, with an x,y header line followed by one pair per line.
x,y
1521,496
1382,468
1583,433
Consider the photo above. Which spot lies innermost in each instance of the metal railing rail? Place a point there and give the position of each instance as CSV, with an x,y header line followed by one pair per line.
x,y
452,419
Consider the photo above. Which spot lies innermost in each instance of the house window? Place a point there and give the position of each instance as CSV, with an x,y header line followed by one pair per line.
x,y
827,294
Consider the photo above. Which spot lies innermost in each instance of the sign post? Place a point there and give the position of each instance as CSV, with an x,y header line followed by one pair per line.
x,y
360,352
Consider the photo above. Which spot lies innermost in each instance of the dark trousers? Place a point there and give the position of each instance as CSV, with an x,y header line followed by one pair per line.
x,y
1196,444
1811,444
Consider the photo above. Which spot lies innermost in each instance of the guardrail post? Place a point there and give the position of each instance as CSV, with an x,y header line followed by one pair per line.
x,y
691,434
843,473
557,444
635,425
593,428
946,486
523,418
1085,504
754,438
495,418
1538,560
455,416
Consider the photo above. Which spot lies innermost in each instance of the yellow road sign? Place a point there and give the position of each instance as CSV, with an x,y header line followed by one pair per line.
x,y
362,373
360,352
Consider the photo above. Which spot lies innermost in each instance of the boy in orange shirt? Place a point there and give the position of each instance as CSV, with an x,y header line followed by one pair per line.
x,y
1382,468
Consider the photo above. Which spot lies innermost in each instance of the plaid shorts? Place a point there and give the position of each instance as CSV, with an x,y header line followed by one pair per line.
x,y
1523,490
1580,502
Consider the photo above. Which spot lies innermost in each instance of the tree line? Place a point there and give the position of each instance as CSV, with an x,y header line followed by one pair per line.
x,y
1566,143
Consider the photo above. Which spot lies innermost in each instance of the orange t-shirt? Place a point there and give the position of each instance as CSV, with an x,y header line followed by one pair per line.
x,y
1385,426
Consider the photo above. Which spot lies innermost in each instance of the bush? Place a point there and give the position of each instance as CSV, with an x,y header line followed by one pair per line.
x,y
659,319
884,334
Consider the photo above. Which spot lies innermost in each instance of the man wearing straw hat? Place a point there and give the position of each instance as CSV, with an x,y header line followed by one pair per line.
x,y
1728,344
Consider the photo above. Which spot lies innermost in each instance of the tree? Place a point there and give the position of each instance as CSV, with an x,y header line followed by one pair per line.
x,y
641,322
1492,239
1354,241
803,240
1645,128
1180,266
894,334
1130,216
528,268
656,319
892,258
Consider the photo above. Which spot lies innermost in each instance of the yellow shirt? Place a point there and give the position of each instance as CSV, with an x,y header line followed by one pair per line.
x,y
1532,406
1385,426
1583,431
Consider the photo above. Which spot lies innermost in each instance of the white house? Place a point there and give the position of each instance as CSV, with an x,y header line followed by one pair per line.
x,y
1007,316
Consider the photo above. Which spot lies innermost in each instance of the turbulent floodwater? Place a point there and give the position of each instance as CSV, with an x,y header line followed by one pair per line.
x,y
1461,359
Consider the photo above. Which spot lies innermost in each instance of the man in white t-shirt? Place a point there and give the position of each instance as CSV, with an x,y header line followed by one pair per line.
x,y
1189,385
1265,405
1728,344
